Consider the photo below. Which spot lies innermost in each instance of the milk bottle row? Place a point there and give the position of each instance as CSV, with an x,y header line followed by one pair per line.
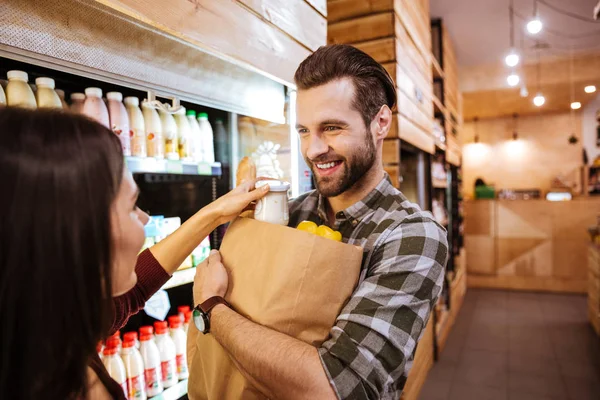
x,y
145,367
143,132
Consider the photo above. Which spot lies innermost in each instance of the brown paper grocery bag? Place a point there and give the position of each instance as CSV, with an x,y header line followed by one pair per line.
x,y
288,280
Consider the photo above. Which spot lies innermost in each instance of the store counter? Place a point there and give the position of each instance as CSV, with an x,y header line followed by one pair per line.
x,y
529,244
594,286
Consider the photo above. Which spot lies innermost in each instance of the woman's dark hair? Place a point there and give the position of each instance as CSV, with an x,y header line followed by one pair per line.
x,y
59,175
372,84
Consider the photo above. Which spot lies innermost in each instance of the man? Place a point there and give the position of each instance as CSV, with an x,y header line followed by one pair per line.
x,y
344,112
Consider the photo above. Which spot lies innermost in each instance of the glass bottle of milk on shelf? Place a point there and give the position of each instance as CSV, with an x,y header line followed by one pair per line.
x,y
119,120
46,96
208,147
94,106
137,128
169,128
184,135
77,101
18,92
61,96
196,136
155,142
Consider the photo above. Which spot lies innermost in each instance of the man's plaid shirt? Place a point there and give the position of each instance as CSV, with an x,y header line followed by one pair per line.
x,y
372,345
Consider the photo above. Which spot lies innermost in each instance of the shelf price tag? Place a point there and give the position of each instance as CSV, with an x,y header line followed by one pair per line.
x,y
204,169
174,167
158,306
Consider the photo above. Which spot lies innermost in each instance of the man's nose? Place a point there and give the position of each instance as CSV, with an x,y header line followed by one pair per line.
x,y
316,147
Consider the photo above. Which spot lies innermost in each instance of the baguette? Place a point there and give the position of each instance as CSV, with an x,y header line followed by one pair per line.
x,y
246,171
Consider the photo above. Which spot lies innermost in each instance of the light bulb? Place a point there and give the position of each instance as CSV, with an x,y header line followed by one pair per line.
x,y
575,105
534,26
590,89
539,100
512,59
524,92
513,79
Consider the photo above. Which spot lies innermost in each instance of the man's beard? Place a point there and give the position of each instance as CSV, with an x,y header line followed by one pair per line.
x,y
354,168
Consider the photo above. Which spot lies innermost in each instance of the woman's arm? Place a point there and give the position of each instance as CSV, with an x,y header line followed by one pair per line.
x,y
173,250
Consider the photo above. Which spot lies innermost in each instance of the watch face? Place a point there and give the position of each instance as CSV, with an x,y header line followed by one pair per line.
x,y
199,320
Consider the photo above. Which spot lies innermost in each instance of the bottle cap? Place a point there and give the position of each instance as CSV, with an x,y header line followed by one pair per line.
x,y
145,337
114,96
203,115
132,101
93,92
175,321
183,309
188,317
109,351
77,96
130,336
160,327
191,112
113,342
17,75
146,330
128,344
45,82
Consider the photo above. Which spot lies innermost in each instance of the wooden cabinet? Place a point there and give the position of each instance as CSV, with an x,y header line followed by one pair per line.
x,y
594,286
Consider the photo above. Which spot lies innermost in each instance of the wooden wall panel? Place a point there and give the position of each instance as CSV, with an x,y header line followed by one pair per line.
x,y
394,173
361,29
406,48
382,50
415,135
421,35
346,9
224,28
391,152
295,17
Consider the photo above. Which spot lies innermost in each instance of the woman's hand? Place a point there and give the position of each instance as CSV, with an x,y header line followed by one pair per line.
x,y
229,206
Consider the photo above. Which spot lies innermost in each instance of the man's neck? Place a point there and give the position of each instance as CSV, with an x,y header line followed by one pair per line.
x,y
356,193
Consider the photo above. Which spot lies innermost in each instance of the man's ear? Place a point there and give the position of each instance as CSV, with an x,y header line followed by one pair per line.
x,y
381,124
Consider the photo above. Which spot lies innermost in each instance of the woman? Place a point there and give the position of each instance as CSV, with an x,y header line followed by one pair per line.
x,y
70,233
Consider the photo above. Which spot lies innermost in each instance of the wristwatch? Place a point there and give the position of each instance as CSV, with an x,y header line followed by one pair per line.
x,y
201,314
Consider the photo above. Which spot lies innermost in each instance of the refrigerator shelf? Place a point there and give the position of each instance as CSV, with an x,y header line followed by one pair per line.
x,y
174,392
138,165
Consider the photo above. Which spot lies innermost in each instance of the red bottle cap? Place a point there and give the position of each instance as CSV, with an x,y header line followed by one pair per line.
x,y
160,327
128,344
109,351
183,309
188,317
146,330
175,321
145,337
113,343
130,336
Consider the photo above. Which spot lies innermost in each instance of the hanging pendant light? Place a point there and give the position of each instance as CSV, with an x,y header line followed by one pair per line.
x,y
476,129
539,98
515,135
534,26
512,58
513,79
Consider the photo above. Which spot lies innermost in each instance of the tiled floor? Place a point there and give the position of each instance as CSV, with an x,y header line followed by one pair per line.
x,y
518,346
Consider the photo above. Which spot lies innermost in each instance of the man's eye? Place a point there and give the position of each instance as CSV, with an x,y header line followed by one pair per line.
x,y
331,128
302,131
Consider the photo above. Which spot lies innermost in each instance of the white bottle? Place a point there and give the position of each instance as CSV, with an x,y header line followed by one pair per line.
x,y
132,336
179,338
119,120
169,128
155,141
137,128
134,371
77,101
184,135
166,348
45,96
208,147
61,96
18,92
114,366
152,367
196,136
94,106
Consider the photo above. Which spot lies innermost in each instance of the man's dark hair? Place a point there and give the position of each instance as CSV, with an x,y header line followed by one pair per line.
x,y
373,85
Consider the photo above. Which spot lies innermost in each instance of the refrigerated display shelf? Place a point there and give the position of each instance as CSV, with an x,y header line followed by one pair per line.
x,y
139,165
180,278
174,392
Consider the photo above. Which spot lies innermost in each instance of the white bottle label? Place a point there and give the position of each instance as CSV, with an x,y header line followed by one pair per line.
x,y
168,370
181,364
152,380
135,384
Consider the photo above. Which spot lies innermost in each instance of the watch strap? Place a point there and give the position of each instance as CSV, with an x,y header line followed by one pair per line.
x,y
211,302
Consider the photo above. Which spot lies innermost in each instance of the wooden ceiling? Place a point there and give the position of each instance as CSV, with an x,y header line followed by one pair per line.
x,y
487,95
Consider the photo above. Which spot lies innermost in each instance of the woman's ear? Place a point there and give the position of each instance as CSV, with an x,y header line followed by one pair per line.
x,y
382,123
